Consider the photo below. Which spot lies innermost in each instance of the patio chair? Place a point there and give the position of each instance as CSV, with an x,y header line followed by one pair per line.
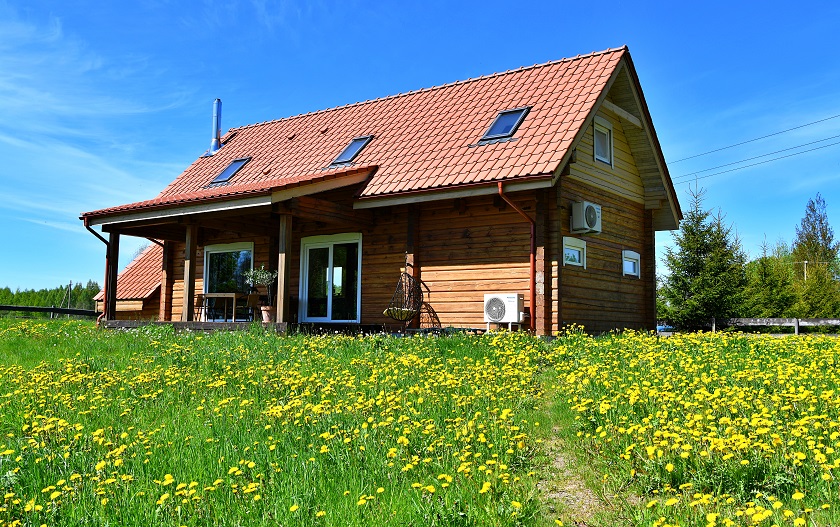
x,y
200,309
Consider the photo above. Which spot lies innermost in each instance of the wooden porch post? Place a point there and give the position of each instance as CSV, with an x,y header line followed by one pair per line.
x,y
412,246
166,281
189,274
542,311
284,259
111,276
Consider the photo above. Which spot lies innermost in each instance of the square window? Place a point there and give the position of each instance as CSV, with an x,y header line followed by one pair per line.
x,y
505,124
230,170
603,141
574,251
352,150
631,263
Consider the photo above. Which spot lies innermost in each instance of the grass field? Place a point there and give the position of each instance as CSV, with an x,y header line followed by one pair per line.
x,y
150,427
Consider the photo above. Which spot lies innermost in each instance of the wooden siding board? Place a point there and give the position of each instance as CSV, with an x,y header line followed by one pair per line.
x,y
600,297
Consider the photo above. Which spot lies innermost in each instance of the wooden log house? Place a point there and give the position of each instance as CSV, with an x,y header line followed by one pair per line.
x,y
546,181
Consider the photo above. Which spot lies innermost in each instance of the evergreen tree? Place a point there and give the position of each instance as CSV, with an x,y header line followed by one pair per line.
x,y
706,270
814,241
819,296
770,291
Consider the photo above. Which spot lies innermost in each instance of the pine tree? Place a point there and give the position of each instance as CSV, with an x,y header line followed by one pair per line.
x,y
814,241
770,291
706,270
815,261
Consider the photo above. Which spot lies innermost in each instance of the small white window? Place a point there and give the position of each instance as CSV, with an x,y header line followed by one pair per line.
x,y
574,251
603,138
631,263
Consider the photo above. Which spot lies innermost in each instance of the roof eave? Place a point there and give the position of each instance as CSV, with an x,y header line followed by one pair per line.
x,y
483,188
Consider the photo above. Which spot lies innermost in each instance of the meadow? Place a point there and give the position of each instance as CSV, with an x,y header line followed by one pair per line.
x,y
252,428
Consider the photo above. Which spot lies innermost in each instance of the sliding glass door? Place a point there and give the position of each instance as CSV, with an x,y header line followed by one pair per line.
x,y
331,278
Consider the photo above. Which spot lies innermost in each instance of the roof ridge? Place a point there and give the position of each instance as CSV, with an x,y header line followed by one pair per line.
x,y
432,88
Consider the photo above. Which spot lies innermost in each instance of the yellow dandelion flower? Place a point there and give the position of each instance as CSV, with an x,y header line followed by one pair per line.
x,y
293,508
797,495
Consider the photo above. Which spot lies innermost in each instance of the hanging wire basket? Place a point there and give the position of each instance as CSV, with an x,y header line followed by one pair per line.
x,y
407,299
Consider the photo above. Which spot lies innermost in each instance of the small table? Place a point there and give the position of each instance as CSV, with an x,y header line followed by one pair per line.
x,y
232,297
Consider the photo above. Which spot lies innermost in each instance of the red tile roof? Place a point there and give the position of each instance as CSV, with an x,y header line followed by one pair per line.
x,y
423,140
141,277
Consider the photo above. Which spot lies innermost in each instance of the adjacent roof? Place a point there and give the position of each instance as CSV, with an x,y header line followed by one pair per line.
x,y
425,140
141,277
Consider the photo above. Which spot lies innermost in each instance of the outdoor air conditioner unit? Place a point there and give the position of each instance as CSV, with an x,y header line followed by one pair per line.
x,y
503,308
586,217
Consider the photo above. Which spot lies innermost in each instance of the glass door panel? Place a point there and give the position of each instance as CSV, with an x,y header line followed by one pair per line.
x,y
317,283
345,281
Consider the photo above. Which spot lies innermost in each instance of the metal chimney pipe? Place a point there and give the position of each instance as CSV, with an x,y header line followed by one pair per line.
x,y
216,143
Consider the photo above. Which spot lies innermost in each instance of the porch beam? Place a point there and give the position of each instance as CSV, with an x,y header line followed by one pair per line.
x,y
111,276
309,208
189,274
259,226
284,260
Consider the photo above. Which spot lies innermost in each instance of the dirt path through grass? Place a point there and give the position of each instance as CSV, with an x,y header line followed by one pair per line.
x,y
564,490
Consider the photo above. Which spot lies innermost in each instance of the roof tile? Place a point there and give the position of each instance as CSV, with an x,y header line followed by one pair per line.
x,y
141,277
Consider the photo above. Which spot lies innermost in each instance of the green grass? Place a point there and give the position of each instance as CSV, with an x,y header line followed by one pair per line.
x,y
150,427
251,428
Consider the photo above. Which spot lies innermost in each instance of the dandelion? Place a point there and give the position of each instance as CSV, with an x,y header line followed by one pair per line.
x,y
293,508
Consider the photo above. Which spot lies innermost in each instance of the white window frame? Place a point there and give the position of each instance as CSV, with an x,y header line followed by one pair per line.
x,y
631,256
575,244
604,126
223,248
315,242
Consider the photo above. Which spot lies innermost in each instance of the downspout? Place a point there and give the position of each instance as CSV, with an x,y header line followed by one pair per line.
x,y
107,262
532,285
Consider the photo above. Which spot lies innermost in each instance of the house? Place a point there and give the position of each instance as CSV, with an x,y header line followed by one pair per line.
x,y
546,181
138,287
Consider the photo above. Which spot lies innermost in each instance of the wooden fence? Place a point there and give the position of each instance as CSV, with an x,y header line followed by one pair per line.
x,y
796,323
52,310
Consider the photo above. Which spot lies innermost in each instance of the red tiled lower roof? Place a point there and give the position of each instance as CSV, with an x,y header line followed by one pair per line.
x,y
226,192
141,277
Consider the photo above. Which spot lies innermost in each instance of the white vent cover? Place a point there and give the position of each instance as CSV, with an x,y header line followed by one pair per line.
x,y
503,308
586,217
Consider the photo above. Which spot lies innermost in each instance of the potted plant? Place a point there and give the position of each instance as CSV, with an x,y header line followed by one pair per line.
x,y
263,277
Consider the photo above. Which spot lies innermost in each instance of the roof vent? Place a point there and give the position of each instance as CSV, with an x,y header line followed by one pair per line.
x,y
216,143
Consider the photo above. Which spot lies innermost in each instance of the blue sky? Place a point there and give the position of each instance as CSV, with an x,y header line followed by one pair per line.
x,y
104,103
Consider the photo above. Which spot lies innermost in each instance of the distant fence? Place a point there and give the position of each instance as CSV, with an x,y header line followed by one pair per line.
x,y
52,310
796,323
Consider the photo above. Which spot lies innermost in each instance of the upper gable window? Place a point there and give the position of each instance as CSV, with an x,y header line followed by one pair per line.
x,y
352,150
230,170
603,137
505,124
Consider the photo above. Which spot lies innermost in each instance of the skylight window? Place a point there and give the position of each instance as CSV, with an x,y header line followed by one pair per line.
x,y
352,150
231,170
505,124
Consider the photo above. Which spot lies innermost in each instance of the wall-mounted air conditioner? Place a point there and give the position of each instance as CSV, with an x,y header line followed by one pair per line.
x,y
586,217
504,308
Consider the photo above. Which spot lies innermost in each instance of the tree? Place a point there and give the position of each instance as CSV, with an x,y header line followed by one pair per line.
x,y
814,241
706,270
770,289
